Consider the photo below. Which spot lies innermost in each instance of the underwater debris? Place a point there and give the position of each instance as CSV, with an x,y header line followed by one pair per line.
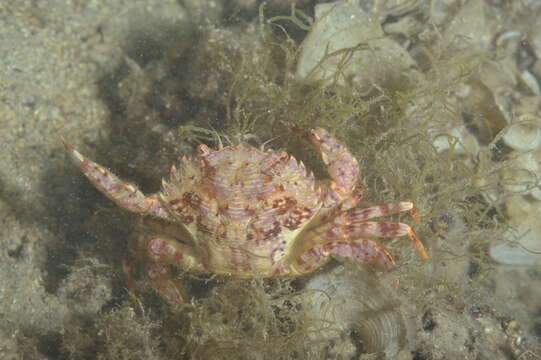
x,y
346,44
348,300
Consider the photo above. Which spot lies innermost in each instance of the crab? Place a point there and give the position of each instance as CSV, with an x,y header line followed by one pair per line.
x,y
246,212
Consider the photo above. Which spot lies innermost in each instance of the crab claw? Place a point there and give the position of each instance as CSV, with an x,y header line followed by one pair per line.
x,y
124,195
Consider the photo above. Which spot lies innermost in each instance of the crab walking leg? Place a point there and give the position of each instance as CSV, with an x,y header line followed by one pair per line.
x,y
140,254
362,214
157,253
342,167
375,229
162,251
125,195
361,250
137,257
307,261
129,264
161,280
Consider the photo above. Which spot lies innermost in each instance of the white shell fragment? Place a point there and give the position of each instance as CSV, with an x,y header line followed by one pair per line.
x,y
524,246
347,43
470,27
529,79
459,140
342,300
521,177
523,137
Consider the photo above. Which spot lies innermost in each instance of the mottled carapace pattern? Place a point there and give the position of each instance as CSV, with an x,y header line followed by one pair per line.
x,y
242,204
246,212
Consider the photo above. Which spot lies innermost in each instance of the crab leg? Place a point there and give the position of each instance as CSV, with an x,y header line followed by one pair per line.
x,y
160,279
375,229
125,195
156,253
362,214
161,252
343,168
362,251
352,223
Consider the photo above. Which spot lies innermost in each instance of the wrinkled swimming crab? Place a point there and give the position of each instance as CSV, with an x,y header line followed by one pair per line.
x,y
245,212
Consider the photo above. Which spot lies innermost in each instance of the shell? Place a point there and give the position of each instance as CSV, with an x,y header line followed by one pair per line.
x,y
524,241
523,137
348,299
345,30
